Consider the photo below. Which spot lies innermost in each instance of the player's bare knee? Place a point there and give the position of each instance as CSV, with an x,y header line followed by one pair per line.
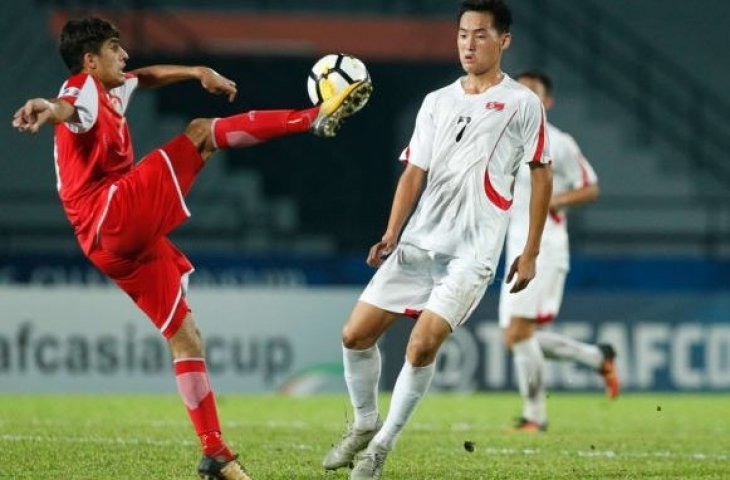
x,y
421,351
360,333
200,132
519,329
509,337
353,339
187,342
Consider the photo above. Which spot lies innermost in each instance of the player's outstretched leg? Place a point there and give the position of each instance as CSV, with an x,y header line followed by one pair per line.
x,y
339,106
608,370
257,126
597,357
212,468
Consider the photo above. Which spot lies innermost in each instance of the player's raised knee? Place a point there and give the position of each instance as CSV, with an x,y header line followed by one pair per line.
x,y
199,130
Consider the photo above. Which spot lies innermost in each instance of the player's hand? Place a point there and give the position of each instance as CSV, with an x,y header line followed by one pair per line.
x,y
33,115
524,268
217,84
380,251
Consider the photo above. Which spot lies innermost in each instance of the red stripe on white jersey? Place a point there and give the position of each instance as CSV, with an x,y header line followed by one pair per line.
x,y
537,157
492,194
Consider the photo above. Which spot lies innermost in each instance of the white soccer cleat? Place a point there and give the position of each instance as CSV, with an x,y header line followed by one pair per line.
x,y
343,453
369,466
339,106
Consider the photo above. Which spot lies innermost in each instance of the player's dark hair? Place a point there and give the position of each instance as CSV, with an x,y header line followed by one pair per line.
x,y
540,77
501,14
82,36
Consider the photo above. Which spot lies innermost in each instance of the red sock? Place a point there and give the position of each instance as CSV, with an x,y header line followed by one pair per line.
x,y
191,375
258,126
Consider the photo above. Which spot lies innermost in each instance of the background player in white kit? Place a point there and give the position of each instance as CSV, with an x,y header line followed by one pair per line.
x,y
574,182
469,140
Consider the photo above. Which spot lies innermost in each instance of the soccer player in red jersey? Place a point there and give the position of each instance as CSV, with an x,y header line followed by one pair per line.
x,y
121,212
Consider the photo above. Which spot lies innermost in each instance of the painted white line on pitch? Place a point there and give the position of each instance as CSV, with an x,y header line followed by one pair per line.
x,y
122,441
95,440
605,453
612,454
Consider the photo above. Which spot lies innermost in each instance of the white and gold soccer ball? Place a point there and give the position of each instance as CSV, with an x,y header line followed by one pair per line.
x,y
332,73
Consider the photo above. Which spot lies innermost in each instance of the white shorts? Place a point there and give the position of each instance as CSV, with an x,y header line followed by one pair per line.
x,y
540,300
412,280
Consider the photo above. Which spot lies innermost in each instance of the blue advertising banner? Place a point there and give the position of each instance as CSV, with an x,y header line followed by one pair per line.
x,y
664,342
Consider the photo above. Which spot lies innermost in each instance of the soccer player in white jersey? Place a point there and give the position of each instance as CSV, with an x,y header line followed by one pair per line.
x,y
574,183
469,140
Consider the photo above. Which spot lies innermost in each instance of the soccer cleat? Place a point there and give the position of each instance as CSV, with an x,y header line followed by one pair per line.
x,y
218,468
525,425
343,453
608,370
339,106
369,466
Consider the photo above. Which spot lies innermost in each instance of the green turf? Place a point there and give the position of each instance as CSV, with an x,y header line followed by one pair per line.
x,y
144,437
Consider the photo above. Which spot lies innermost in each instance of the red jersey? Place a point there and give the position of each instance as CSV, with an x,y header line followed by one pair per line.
x,y
94,152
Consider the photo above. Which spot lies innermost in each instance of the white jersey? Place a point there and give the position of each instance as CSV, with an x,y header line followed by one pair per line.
x,y
471,145
570,171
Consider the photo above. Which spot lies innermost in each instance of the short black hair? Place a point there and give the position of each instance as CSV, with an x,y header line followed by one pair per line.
x,y
82,36
501,14
540,77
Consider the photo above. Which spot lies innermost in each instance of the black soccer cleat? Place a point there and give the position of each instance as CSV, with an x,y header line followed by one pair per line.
x,y
218,468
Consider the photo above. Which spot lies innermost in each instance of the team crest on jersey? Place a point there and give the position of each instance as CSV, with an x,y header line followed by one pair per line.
x,y
70,92
498,106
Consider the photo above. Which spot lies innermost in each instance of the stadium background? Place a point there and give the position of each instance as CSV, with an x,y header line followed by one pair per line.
x,y
279,232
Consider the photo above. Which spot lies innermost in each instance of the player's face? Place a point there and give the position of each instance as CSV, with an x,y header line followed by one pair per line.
x,y
108,65
539,88
480,44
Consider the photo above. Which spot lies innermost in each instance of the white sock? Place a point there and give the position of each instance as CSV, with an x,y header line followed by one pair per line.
x,y
561,347
530,369
412,384
362,374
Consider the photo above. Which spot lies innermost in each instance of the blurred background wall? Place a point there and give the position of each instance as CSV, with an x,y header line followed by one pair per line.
x,y
638,84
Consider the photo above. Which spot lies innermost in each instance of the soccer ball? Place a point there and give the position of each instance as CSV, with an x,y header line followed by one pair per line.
x,y
332,73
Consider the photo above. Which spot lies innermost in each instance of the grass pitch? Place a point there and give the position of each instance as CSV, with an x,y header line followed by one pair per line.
x,y
654,436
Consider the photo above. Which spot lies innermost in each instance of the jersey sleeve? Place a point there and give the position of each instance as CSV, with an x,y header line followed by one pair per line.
x,y
81,92
534,132
579,171
419,149
125,91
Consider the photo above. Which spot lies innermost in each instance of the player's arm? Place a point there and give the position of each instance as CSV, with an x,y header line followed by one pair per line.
x,y
576,196
541,181
532,127
154,76
580,174
406,195
36,112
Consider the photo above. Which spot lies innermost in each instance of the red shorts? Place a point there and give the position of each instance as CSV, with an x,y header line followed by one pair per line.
x,y
131,246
